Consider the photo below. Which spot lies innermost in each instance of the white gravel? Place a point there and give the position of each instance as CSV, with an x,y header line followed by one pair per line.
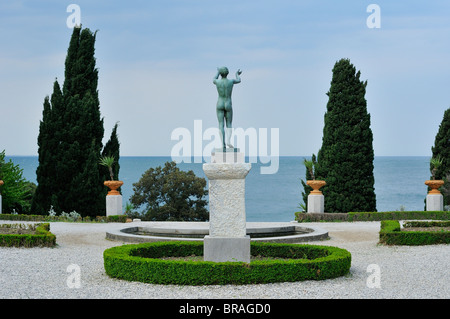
x,y
406,272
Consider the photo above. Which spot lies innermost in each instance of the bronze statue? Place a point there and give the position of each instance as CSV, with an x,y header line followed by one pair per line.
x,y
224,108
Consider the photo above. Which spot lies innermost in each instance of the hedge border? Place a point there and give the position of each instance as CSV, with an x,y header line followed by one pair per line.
x,y
47,218
391,234
41,238
371,216
140,262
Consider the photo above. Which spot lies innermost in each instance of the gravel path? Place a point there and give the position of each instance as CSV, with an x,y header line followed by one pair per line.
x,y
405,272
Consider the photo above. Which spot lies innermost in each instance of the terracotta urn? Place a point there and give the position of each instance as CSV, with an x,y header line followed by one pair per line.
x,y
316,185
113,186
1,182
434,185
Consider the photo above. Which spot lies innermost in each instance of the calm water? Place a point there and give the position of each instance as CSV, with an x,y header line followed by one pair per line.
x,y
399,181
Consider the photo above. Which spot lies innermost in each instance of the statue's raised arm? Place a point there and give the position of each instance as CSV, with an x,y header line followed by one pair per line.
x,y
238,78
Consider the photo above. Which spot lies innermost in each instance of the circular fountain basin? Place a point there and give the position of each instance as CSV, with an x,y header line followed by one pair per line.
x,y
196,231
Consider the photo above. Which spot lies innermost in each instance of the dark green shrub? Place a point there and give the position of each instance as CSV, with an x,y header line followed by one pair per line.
x,y
42,237
391,234
398,215
144,263
116,218
170,194
47,218
321,217
371,216
426,224
16,191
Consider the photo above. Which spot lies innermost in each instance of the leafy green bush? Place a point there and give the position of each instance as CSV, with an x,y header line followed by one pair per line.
x,y
63,218
284,262
16,191
426,224
398,215
391,234
41,237
371,216
168,193
116,218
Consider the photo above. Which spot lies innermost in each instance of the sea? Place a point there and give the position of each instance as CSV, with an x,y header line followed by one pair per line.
x,y
399,183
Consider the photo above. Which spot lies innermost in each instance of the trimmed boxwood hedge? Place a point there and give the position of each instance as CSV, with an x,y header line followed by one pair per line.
x,y
143,263
47,218
42,237
371,216
391,234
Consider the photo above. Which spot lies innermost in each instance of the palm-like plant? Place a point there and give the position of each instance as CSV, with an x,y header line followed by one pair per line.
x,y
310,167
108,161
435,162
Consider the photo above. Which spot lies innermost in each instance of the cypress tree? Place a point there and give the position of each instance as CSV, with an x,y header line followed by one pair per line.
x,y
70,137
441,149
345,160
112,148
48,143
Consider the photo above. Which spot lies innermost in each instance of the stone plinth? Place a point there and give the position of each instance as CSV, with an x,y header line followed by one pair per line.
x,y
113,205
227,240
316,204
227,155
435,202
222,249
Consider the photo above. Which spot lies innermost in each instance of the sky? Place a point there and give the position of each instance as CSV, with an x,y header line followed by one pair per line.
x,y
157,59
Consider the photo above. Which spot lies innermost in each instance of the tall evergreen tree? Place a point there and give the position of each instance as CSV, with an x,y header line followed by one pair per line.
x,y
112,148
345,160
441,149
70,136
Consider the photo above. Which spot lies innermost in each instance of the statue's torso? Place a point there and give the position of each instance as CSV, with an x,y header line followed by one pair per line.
x,y
224,88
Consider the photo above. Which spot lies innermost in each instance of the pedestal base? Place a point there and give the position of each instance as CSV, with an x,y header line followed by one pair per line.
x,y
316,204
113,205
435,202
222,249
227,155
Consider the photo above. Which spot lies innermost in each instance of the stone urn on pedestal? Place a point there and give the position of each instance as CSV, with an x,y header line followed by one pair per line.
x,y
435,200
113,198
316,200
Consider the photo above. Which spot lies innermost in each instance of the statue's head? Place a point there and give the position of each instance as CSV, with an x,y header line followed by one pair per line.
x,y
223,71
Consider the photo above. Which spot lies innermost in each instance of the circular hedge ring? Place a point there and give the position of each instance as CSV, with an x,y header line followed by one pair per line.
x,y
275,262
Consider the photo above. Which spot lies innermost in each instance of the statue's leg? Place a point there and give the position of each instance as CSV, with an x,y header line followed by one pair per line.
x,y
229,118
220,118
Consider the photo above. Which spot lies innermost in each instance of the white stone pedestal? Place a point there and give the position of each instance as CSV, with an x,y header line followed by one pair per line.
x,y
113,205
316,204
227,240
222,249
435,202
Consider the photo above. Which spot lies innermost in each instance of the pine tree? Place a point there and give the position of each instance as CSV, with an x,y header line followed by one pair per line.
x,y
70,136
441,149
345,160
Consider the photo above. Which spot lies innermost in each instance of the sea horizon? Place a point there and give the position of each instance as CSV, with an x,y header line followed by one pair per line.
x,y
399,182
